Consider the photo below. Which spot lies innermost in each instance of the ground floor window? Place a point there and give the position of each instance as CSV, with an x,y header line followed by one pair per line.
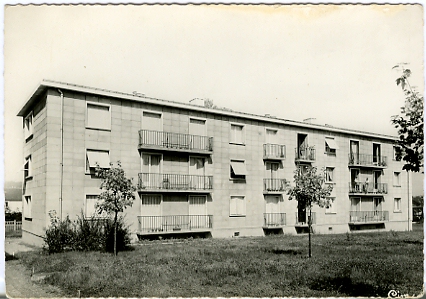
x,y
397,205
237,206
27,208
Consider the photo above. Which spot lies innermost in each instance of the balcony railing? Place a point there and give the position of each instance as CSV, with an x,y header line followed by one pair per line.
x,y
273,151
274,219
302,218
174,223
158,181
367,160
274,185
175,141
368,188
306,153
368,216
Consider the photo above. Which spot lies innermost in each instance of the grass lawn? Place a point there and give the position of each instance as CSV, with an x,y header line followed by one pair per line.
x,y
361,264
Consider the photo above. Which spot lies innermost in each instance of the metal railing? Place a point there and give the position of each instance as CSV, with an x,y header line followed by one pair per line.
x,y
174,223
305,153
11,226
368,188
367,160
368,216
302,218
273,151
163,181
179,141
277,185
274,219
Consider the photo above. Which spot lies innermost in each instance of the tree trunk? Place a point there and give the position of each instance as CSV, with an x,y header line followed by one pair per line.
x,y
309,228
115,234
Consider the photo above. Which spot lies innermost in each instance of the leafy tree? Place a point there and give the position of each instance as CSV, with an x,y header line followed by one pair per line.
x,y
118,194
309,189
410,124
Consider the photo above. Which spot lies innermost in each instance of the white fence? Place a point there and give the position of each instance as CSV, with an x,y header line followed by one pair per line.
x,y
11,226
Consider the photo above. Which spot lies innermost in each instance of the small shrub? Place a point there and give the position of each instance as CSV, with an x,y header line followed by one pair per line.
x,y
59,236
123,235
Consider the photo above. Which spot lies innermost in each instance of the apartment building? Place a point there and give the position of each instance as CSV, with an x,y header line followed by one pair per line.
x,y
199,170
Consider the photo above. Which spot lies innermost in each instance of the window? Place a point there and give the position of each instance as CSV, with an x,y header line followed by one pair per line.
x,y
397,154
329,174
237,206
271,136
397,205
330,146
329,209
27,168
90,207
98,116
28,126
397,179
27,208
95,158
237,134
238,170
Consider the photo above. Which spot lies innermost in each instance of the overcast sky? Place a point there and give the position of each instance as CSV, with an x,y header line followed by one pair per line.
x,y
330,62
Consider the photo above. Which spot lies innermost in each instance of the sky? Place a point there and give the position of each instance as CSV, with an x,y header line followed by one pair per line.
x,y
329,62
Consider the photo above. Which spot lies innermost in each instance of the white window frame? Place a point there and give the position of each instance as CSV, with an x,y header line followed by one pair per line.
x,y
397,179
397,205
152,194
27,207
28,126
199,119
332,175
232,138
271,129
87,115
88,169
241,177
152,112
240,211
331,208
94,216
28,172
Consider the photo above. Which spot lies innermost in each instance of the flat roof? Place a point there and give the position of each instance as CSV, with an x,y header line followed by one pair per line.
x,y
45,84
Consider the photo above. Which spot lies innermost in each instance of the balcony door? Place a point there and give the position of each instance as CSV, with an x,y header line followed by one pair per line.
x,y
197,173
198,211
355,204
272,204
377,179
272,182
153,124
197,130
151,212
376,153
354,152
377,204
151,171
302,144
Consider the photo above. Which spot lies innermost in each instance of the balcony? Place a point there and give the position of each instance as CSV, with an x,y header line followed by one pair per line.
x,y
177,142
149,182
302,218
274,220
305,154
368,188
174,224
273,152
370,161
271,186
368,217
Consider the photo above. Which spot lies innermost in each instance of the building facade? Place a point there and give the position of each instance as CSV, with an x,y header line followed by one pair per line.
x,y
200,170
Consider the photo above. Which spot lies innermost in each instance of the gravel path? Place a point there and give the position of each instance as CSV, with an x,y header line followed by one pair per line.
x,y
18,277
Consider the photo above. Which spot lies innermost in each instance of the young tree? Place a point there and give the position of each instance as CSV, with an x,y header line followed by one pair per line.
x,y
309,189
118,193
410,124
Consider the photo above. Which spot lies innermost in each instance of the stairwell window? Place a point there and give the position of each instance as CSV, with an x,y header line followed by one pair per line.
x,y
95,158
27,208
98,116
330,146
237,206
28,168
28,126
329,209
329,175
238,170
397,205
237,134
397,179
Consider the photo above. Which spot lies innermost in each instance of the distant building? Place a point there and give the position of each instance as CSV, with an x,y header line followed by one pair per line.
x,y
200,170
13,197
